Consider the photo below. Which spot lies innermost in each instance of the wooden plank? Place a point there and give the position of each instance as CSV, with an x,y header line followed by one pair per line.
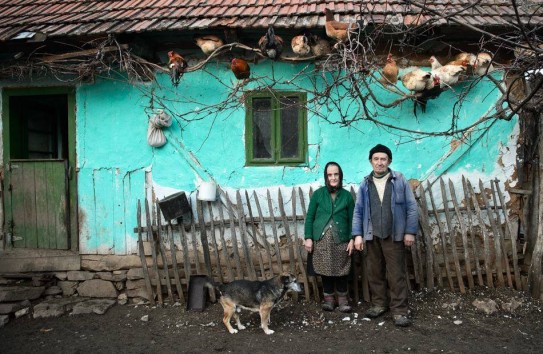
x,y
297,246
443,239
163,255
486,246
233,237
467,200
431,262
175,269
186,253
194,243
452,237
222,229
291,256
45,220
203,238
264,236
151,240
146,277
512,237
312,279
274,231
501,235
243,235
214,239
497,245
253,236
465,244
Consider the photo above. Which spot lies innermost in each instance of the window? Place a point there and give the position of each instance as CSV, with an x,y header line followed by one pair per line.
x,y
276,129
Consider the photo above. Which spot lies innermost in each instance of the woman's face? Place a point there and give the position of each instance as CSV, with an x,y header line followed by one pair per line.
x,y
332,173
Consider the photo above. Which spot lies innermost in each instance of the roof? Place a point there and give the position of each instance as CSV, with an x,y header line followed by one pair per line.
x,y
57,18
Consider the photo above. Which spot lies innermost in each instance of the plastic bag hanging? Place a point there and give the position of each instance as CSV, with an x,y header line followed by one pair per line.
x,y
155,135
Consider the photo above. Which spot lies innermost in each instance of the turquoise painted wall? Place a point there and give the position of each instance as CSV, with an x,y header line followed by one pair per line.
x,y
116,163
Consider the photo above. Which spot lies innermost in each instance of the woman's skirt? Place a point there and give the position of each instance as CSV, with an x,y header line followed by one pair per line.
x,y
331,258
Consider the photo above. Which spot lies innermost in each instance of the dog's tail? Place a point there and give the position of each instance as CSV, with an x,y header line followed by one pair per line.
x,y
212,286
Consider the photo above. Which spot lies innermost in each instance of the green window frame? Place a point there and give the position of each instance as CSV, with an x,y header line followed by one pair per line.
x,y
276,128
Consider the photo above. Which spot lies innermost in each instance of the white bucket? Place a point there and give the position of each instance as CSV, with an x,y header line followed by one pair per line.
x,y
207,191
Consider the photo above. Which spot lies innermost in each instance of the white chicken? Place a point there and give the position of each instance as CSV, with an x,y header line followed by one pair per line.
x,y
483,64
424,87
449,74
464,59
300,44
434,63
417,80
208,44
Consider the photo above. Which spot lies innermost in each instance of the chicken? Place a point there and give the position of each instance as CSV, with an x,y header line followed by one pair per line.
x,y
434,63
208,44
240,68
417,80
483,64
319,46
271,45
431,91
449,74
177,65
389,75
300,44
340,31
461,57
424,86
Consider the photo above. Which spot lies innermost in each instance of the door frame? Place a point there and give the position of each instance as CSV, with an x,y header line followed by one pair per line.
x,y
72,176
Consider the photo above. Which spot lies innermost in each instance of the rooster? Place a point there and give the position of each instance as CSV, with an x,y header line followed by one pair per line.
x,y
340,31
483,64
450,74
389,75
177,65
431,91
208,44
240,68
271,45
300,44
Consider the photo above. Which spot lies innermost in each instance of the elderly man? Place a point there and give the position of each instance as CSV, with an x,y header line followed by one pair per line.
x,y
385,217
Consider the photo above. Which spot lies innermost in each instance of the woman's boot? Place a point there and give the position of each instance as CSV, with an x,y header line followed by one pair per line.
x,y
329,302
343,302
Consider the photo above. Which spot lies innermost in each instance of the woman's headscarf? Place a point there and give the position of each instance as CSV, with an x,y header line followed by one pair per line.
x,y
340,184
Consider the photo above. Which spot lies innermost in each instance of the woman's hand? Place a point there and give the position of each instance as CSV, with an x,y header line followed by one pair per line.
x,y
350,247
308,244
358,243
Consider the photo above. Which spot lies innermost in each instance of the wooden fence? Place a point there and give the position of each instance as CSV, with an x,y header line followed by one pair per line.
x,y
467,242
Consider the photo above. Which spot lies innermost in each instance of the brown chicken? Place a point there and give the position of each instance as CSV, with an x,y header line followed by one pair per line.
x,y
464,59
240,68
177,65
340,31
389,75
208,44
271,45
319,46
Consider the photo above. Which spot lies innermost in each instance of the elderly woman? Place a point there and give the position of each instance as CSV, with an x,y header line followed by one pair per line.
x,y
328,237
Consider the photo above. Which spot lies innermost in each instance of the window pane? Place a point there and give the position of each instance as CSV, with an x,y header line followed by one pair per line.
x,y
262,128
289,127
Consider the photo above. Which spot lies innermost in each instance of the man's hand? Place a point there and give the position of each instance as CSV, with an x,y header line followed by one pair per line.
x,y
358,243
408,240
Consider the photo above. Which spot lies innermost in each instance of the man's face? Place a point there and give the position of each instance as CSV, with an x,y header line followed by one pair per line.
x,y
332,173
380,162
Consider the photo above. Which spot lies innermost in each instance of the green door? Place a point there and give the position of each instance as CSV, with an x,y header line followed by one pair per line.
x,y
39,152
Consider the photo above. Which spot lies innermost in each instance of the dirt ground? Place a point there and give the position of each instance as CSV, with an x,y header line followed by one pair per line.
x,y
444,322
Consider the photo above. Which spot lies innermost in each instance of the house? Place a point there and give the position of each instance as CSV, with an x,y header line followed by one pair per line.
x,y
81,80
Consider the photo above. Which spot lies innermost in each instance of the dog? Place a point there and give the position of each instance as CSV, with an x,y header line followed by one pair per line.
x,y
253,295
